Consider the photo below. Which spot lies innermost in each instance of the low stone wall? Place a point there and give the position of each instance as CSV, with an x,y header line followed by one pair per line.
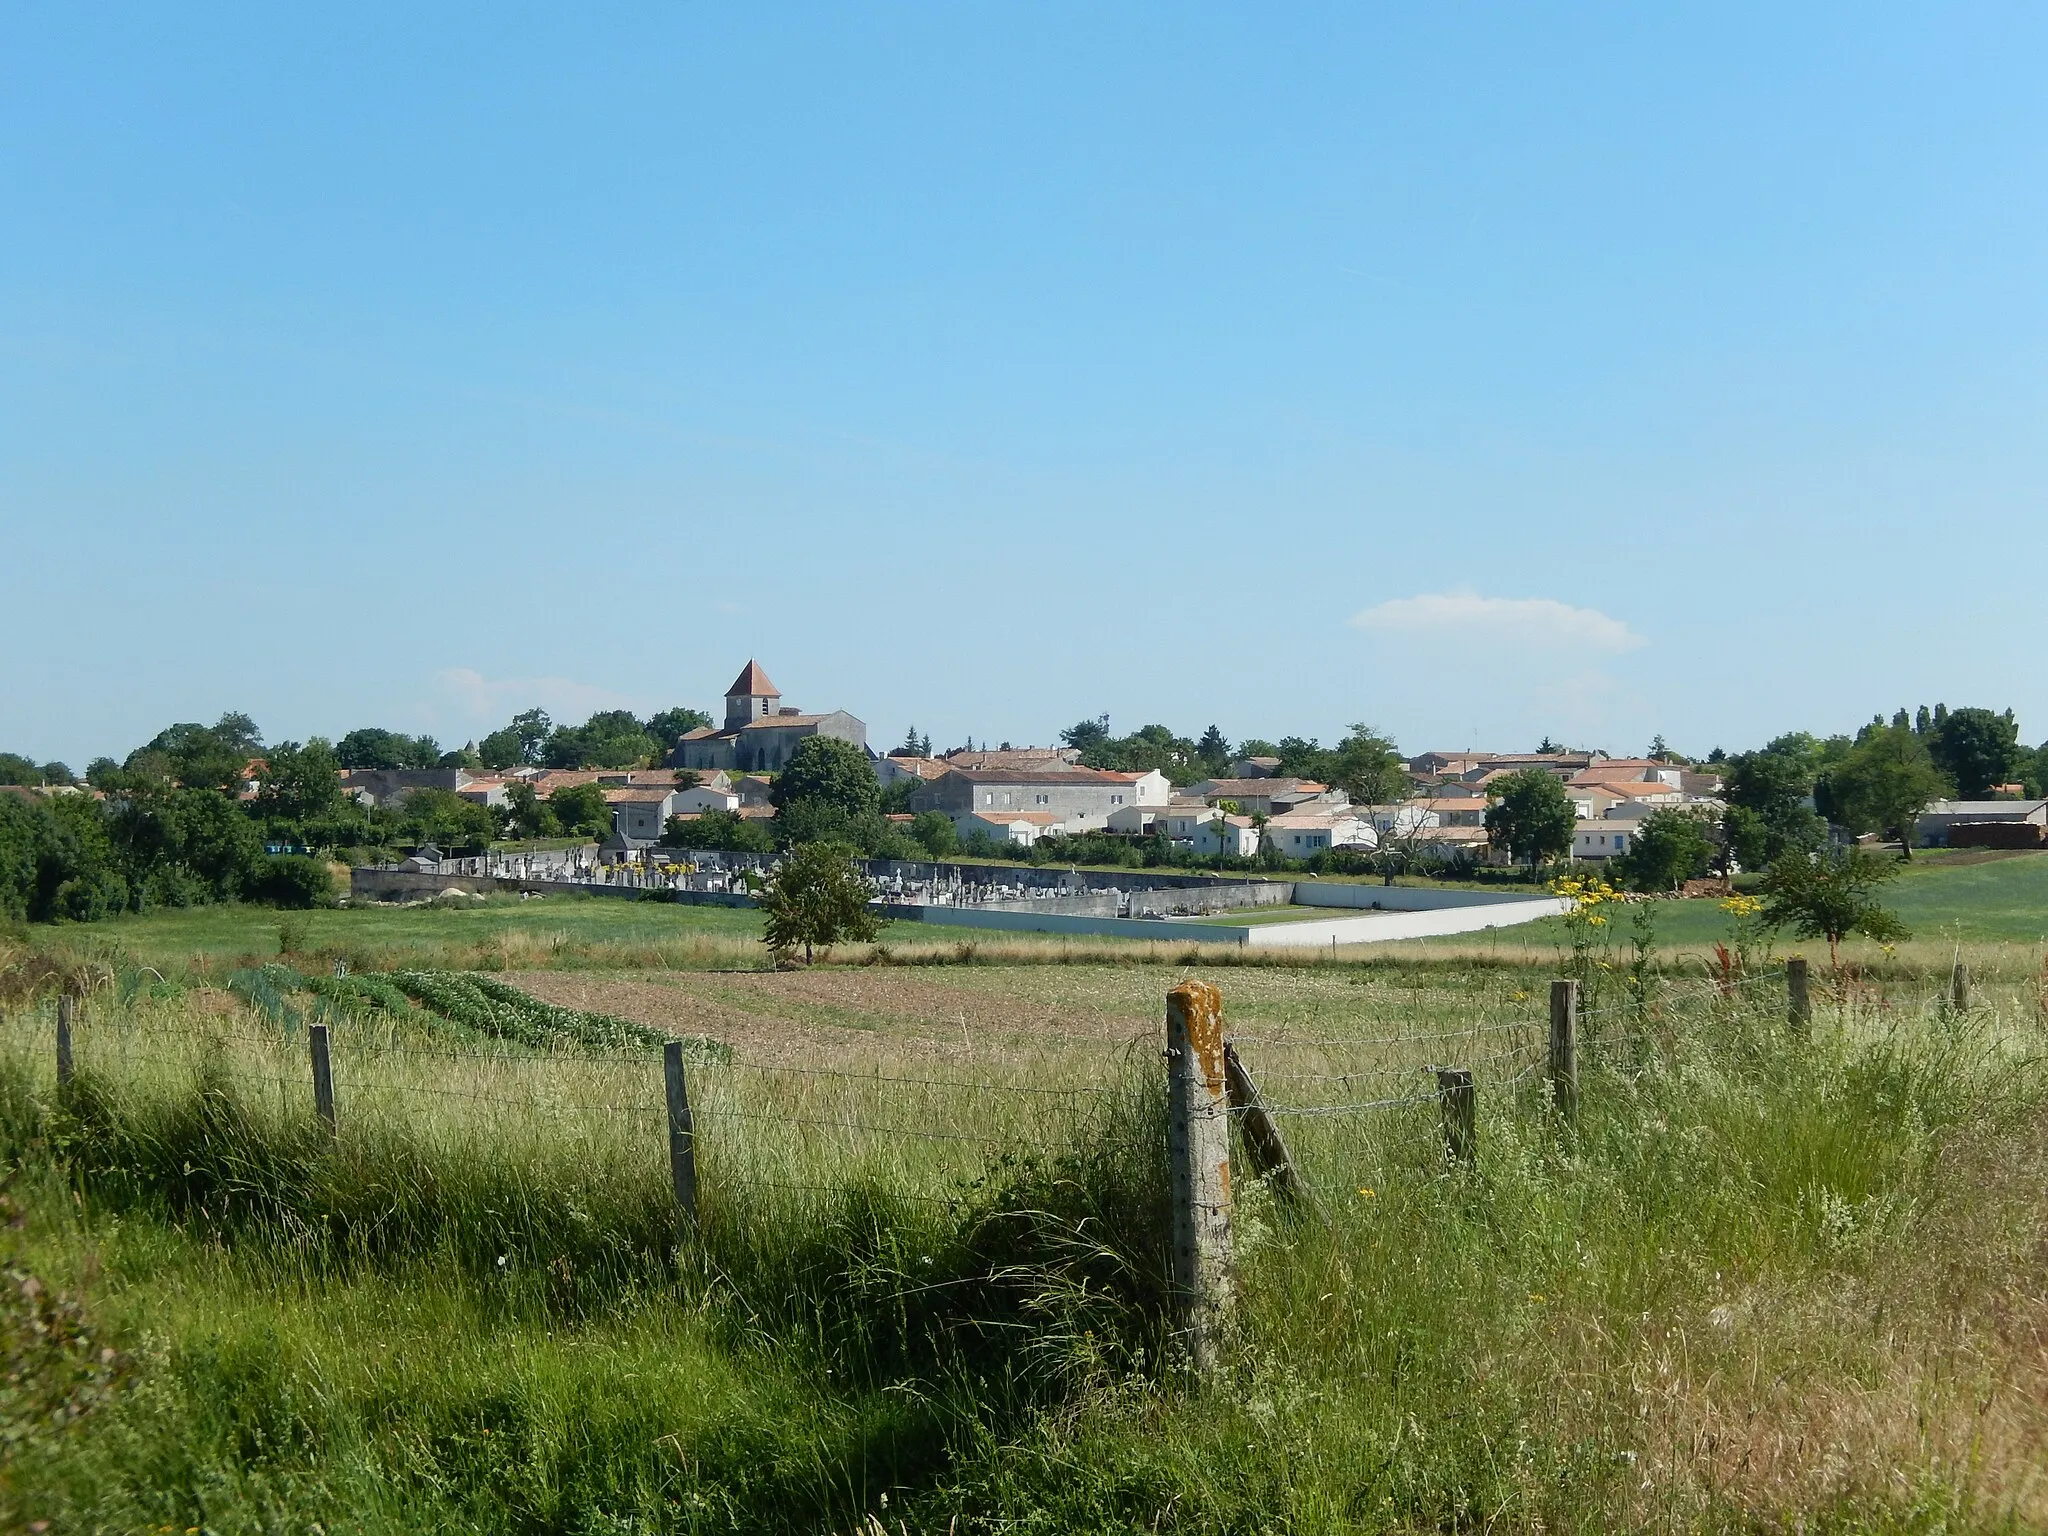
x,y
367,884
1366,928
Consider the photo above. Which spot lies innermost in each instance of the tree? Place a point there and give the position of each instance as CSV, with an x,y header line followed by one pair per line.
x,y
1214,751
371,746
1086,734
1830,895
611,738
524,741
16,769
581,810
299,784
1883,784
198,756
935,833
1766,791
1532,818
816,897
528,815
1369,769
1669,847
1976,749
183,847
445,819
827,772
723,831
914,745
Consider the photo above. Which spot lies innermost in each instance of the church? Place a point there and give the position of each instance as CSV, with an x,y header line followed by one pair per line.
x,y
759,734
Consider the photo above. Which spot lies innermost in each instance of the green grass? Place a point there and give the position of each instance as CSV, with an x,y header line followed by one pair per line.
x,y
1769,1283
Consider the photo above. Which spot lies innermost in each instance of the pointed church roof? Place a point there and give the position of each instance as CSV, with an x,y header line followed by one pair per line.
x,y
752,683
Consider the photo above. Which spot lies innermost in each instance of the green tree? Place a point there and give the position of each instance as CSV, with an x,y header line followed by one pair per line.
x,y
198,756
581,810
1670,847
16,769
300,783
816,898
1766,792
825,771
722,831
523,742
611,738
445,819
672,725
1214,752
373,747
935,833
1369,769
528,815
1976,749
1830,895
185,847
1531,817
1883,784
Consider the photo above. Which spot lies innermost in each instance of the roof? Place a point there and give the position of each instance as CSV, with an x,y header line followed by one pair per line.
x,y
1316,816
1006,818
1050,774
1988,810
1257,789
752,683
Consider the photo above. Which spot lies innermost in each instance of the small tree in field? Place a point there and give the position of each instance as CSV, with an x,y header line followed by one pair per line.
x,y
1831,895
817,898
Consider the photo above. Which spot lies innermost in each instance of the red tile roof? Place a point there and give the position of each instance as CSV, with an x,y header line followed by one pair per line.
x,y
752,683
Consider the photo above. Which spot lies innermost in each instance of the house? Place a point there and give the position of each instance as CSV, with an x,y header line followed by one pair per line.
x,y
1021,827
1078,799
1983,824
1600,839
706,797
1148,788
1314,829
1443,765
1253,768
1023,759
1267,797
487,789
388,787
1237,836
759,734
893,769
641,814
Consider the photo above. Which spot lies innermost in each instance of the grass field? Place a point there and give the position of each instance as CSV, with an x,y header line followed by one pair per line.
x,y
1770,1282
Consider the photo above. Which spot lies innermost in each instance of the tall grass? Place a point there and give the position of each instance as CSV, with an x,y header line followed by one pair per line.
x,y
1766,1278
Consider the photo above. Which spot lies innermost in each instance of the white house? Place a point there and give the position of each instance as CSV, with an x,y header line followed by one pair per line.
x,y
1020,827
705,797
1601,839
1317,829
1237,836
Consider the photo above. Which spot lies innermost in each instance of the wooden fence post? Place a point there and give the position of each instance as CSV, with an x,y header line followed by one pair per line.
x,y
1799,1002
1461,1112
323,1078
1265,1148
63,1041
1198,1148
1959,987
1564,1047
682,1135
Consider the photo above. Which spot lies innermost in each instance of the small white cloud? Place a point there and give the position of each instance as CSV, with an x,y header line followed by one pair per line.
x,y
1517,620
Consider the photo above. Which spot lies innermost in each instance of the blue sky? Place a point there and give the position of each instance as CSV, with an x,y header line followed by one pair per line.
x,y
1478,371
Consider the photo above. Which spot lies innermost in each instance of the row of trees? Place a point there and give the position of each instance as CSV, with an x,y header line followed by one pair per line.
x,y
611,738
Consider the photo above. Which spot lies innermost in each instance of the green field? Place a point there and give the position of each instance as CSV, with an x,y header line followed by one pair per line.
x,y
1770,1282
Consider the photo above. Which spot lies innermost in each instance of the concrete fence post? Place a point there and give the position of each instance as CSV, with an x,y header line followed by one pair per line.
x,y
1198,1149
682,1134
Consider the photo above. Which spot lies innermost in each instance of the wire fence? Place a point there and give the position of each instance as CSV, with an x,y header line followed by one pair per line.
x,y
809,1126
